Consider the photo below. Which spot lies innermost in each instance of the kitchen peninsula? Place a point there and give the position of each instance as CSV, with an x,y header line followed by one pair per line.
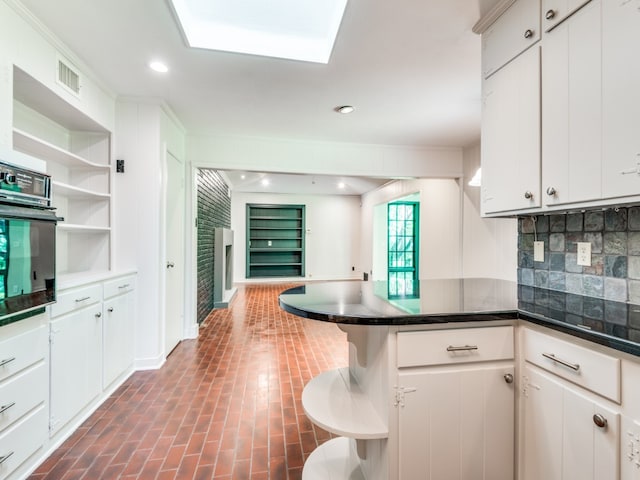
x,y
438,379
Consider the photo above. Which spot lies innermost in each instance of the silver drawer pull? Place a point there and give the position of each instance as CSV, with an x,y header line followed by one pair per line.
x,y
4,408
552,357
466,348
124,286
4,458
6,361
78,300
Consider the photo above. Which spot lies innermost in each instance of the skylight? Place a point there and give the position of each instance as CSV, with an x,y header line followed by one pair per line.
x,y
294,29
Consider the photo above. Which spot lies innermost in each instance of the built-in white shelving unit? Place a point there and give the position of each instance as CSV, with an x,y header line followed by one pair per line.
x,y
77,152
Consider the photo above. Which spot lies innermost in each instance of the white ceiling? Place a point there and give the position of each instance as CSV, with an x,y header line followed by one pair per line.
x,y
410,67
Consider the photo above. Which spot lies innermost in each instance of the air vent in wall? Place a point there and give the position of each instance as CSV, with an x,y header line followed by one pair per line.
x,y
68,77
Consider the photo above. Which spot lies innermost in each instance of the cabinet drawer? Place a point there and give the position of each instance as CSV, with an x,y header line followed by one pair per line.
x,y
22,393
440,347
22,351
592,370
119,286
75,299
20,441
515,31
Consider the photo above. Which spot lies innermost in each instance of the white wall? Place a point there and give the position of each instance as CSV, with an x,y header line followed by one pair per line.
x,y
440,224
332,239
143,131
331,158
489,244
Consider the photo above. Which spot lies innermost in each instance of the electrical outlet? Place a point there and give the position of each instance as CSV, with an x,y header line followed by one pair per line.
x,y
269,243
584,254
538,251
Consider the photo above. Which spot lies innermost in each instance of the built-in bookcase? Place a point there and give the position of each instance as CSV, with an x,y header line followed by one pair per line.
x,y
275,240
77,152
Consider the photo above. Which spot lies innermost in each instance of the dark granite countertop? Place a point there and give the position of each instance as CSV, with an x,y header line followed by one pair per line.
x,y
613,324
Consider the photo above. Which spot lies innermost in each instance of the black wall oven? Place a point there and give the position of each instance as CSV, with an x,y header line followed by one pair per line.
x,y
27,243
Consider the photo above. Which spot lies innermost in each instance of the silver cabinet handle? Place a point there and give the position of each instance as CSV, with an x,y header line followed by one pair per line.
x,y
6,361
528,33
465,348
4,458
600,421
572,366
550,14
123,286
551,191
4,408
78,300
508,378
528,195
110,309
98,315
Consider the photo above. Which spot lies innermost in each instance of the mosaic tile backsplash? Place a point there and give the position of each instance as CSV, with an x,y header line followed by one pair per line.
x,y
614,235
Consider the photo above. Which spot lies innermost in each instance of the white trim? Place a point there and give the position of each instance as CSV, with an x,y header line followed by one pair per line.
x,y
491,16
149,363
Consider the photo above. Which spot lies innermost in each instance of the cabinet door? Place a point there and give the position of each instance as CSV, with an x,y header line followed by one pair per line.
x,y
621,97
560,438
118,337
457,424
589,452
76,363
571,109
555,11
511,136
542,437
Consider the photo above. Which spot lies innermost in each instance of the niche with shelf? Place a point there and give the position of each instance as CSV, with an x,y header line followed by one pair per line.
x,y
275,240
77,152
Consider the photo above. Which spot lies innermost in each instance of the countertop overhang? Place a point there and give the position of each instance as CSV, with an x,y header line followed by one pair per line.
x,y
442,301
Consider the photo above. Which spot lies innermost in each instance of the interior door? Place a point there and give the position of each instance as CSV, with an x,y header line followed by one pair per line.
x,y
174,264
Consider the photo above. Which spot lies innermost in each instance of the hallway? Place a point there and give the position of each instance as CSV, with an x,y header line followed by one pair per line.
x,y
224,406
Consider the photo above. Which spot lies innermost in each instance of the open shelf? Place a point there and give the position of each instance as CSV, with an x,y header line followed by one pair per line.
x,y
82,228
32,145
334,401
333,460
70,191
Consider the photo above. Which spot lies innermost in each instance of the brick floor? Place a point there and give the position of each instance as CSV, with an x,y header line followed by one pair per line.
x,y
224,406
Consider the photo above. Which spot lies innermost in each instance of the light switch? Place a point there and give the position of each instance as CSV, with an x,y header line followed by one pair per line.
x,y
584,254
538,251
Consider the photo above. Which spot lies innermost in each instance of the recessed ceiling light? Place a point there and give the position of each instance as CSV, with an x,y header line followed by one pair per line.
x,y
345,109
157,66
243,176
294,29
341,185
265,182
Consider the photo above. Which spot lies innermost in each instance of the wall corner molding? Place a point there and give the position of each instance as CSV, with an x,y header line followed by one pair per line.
x,y
485,22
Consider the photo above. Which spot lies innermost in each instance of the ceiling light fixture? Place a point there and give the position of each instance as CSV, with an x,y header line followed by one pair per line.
x,y
159,67
341,185
265,182
344,109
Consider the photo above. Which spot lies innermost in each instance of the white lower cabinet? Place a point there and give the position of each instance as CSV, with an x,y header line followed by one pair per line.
x,y
455,404
118,338
76,363
24,387
566,434
457,424
92,347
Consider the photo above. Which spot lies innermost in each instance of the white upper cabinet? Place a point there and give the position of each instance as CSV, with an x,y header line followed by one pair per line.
x,y
555,11
511,136
515,31
571,109
621,97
